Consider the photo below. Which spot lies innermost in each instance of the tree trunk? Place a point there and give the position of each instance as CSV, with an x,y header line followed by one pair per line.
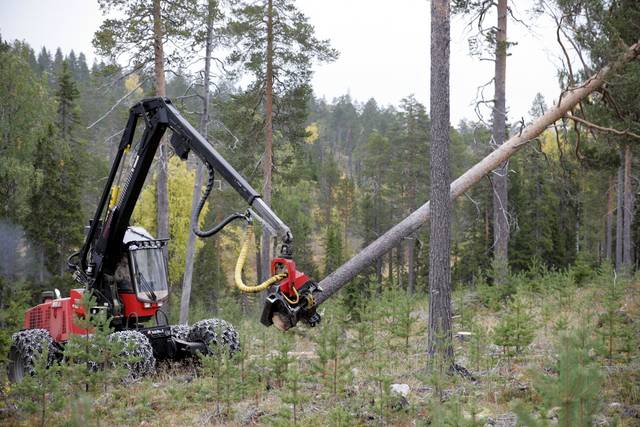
x,y
439,346
411,266
408,226
608,234
499,177
627,248
162,190
267,161
197,186
399,264
620,214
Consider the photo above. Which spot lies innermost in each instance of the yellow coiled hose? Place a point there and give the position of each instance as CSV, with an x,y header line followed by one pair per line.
x,y
242,258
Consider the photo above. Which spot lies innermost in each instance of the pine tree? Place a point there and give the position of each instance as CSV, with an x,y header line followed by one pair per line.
x,y
576,389
275,44
515,329
333,247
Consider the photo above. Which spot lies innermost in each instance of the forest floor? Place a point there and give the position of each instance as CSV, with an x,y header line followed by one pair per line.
x,y
558,353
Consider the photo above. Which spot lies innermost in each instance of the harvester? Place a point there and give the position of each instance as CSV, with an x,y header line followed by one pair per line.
x,y
124,269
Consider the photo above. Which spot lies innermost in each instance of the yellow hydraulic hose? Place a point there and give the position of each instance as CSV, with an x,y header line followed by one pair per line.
x,y
240,265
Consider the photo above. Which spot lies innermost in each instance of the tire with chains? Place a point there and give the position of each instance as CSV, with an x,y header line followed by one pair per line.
x,y
27,346
215,333
137,352
180,331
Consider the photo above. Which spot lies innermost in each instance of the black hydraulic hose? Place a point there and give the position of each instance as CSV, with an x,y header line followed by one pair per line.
x,y
224,222
220,226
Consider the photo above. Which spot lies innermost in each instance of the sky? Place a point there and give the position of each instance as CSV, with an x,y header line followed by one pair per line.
x,y
384,49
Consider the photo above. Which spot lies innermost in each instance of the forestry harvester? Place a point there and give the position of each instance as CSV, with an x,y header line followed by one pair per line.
x,y
124,268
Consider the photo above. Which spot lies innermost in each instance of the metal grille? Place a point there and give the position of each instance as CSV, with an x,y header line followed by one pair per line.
x,y
39,318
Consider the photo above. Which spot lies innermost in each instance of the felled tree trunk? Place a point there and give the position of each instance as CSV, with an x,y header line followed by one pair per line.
x,y
336,280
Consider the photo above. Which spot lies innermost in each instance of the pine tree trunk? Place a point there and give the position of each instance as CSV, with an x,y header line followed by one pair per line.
x,y
608,236
267,161
162,190
620,214
628,211
499,177
411,266
197,186
439,346
408,226
399,264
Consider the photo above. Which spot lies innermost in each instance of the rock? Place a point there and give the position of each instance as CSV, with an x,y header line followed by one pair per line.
x,y
464,336
615,407
631,411
494,350
401,389
508,419
552,414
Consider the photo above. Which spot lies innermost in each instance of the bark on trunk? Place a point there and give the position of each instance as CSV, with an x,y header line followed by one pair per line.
x,y
267,161
499,177
411,266
162,190
620,214
608,236
336,280
197,186
627,249
399,264
439,345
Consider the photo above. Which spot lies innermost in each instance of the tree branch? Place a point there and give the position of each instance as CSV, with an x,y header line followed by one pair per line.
x,y
591,125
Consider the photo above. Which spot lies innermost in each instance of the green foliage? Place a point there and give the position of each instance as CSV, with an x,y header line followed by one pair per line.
x,y
93,361
515,330
224,372
180,186
614,326
41,392
293,394
454,414
13,300
402,320
333,247
280,361
575,390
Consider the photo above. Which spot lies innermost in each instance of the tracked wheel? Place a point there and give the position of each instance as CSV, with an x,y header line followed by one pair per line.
x,y
26,347
216,334
180,332
137,354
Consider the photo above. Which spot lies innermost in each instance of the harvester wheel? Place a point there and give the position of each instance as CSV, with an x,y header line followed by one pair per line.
x,y
137,354
215,333
26,347
180,332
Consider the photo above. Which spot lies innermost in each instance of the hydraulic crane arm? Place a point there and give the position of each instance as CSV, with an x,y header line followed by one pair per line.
x,y
101,250
293,297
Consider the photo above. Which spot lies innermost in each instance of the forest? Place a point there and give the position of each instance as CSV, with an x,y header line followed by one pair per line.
x,y
516,303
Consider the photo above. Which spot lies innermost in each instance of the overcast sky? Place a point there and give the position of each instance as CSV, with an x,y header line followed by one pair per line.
x,y
384,49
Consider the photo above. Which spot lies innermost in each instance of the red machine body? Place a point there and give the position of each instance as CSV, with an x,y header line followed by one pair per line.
x,y
295,279
133,307
56,316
